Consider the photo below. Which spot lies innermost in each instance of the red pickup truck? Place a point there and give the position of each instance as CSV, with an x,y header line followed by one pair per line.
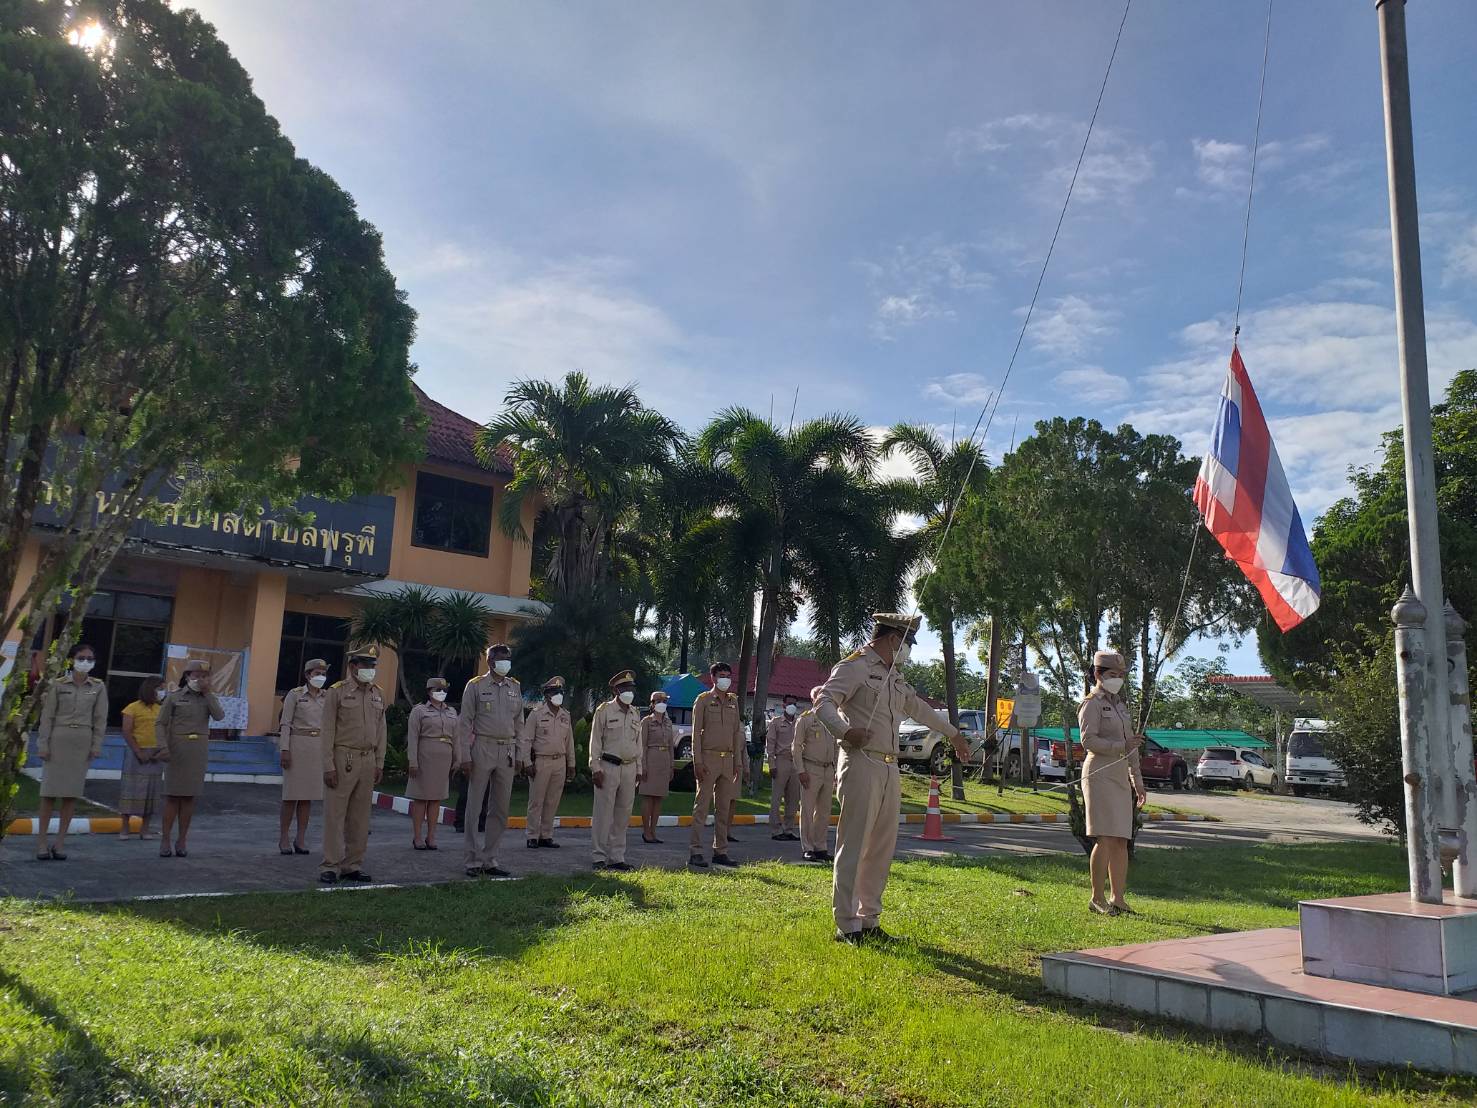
x,y
1159,766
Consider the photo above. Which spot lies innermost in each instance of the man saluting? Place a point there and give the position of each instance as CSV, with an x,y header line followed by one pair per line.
x,y
863,703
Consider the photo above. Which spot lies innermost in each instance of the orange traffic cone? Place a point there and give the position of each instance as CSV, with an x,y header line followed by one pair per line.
x,y
933,821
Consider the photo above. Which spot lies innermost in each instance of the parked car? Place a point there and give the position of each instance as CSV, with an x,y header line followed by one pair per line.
x,y
1309,769
920,746
1235,766
1161,766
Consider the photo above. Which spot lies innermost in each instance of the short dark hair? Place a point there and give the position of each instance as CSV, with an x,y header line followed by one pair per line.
x,y
719,667
789,698
147,689
500,648
78,648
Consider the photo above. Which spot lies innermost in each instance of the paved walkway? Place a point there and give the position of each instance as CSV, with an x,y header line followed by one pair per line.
x,y
233,847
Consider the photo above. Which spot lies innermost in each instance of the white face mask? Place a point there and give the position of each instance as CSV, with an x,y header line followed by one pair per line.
x,y
196,684
365,675
160,694
438,695
723,683
628,696
318,680
902,654
1112,684
556,699
83,665
789,709
501,667
660,707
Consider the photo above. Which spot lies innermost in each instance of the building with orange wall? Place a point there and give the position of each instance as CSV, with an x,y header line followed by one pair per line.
x,y
259,598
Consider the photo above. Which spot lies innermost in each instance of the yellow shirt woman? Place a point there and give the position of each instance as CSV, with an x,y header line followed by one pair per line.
x,y
144,717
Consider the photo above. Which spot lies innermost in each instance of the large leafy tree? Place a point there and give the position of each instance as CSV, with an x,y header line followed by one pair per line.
x,y
184,299
580,451
801,502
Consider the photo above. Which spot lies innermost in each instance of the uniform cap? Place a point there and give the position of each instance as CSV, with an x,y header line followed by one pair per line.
x,y
1109,659
624,677
197,665
554,683
436,683
368,650
896,621
659,695
314,663
500,648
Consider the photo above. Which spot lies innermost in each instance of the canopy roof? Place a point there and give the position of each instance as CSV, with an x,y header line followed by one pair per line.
x,y
1176,738
682,689
1266,691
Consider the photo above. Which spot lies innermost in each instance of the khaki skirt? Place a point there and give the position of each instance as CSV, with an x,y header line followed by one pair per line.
x,y
658,778
184,773
303,780
432,780
64,773
1108,795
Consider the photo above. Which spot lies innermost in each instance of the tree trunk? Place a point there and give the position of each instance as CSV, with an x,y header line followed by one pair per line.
x,y
1148,679
769,619
951,692
682,658
746,646
992,674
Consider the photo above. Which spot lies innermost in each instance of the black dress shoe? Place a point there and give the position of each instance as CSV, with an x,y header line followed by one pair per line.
x,y
599,867
791,837
532,844
809,856
328,877
725,861
779,838
550,843
356,875
460,829
619,867
877,935
852,937
496,871
697,861
732,837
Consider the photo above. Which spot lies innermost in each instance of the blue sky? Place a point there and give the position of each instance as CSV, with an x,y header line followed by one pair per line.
x,y
725,203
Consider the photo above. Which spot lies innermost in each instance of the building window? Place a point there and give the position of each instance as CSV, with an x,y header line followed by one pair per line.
x,y
304,637
452,515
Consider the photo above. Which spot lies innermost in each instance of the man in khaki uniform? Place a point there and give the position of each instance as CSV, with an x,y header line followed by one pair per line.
x,y
717,747
862,704
615,757
815,760
353,743
487,748
784,782
546,757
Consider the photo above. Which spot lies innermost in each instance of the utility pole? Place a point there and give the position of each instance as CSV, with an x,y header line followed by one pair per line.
x,y
1438,777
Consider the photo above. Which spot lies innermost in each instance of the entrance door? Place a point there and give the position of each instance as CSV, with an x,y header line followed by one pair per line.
x,y
128,631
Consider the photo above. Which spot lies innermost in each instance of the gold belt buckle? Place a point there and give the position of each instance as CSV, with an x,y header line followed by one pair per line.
x,y
722,753
193,735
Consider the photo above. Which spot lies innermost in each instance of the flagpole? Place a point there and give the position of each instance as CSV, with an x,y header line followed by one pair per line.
x,y
1431,773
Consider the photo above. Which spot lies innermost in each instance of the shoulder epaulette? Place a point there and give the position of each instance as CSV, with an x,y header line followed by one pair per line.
x,y
853,656
338,684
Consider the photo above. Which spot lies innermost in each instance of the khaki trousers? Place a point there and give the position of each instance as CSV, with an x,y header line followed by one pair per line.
x,y
871,799
492,775
346,811
720,789
544,793
815,808
612,814
784,781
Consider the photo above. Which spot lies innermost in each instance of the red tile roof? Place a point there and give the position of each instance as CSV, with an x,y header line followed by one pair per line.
x,y
789,677
450,436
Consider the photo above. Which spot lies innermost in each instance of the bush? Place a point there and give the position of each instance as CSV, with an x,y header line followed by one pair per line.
x,y
582,752
397,760
1363,709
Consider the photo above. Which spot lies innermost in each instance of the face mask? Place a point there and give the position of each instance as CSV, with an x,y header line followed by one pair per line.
x,y
196,684
365,675
789,709
628,696
83,665
160,694
556,699
438,695
501,667
723,683
902,654
318,680
660,707
1112,684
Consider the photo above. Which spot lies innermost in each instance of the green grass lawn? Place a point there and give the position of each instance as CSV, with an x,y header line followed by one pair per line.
x,y
578,800
656,988
27,801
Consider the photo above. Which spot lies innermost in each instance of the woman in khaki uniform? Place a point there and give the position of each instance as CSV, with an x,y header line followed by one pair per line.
x,y
430,743
300,746
654,774
73,715
1112,786
184,733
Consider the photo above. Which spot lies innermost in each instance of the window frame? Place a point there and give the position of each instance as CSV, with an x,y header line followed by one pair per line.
x,y
457,484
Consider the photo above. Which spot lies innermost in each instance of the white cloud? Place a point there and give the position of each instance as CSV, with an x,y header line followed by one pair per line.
x,y
1045,147
1093,385
919,280
1066,327
1461,257
967,389
1224,168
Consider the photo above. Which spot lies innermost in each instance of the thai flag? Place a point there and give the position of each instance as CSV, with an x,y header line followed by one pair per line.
x,y
1243,495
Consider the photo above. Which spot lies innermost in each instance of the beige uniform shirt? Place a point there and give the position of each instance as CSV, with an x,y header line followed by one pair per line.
x,y
354,718
615,729
70,705
814,745
862,692
779,738
429,720
492,708
546,732
1106,728
717,732
302,714
657,733
186,714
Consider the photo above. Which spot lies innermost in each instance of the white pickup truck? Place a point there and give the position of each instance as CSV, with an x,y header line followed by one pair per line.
x,y
1309,769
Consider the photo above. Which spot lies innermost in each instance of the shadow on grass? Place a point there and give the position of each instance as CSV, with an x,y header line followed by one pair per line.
x,y
92,1076
359,1064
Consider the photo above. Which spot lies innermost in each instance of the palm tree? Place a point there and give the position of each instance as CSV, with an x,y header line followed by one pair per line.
x,y
945,474
585,639
453,627
797,502
577,451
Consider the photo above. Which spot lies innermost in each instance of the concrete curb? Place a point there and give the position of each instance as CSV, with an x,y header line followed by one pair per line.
x,y
447,816
94,825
